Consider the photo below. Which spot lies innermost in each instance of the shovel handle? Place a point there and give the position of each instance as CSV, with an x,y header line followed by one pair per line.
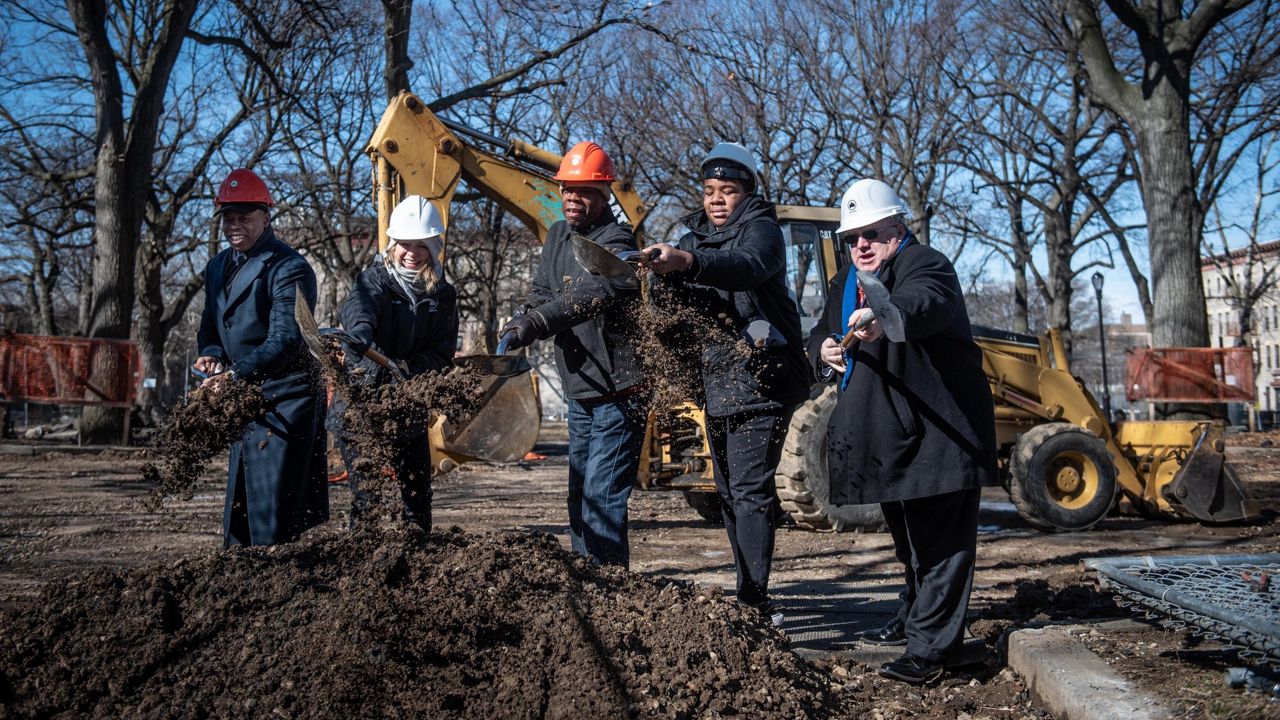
x,y
503,342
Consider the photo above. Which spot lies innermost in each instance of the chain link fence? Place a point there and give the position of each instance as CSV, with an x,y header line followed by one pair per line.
x,y
1234,599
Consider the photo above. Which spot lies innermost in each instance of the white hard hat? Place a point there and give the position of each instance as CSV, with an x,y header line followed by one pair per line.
x,y
737,155
866,202
415,218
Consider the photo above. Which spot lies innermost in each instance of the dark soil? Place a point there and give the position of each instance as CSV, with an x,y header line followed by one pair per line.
x,y
379,416
1185,672
201,425
390,623
1065,595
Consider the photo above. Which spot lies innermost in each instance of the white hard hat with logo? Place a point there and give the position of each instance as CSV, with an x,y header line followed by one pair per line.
x,y
415,218
868,201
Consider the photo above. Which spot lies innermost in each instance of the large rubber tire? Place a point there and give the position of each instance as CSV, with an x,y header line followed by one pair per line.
x,y
1062,478
803,484
706,504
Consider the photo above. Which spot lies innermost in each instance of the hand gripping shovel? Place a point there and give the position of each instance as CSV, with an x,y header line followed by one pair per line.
x,y
311,335
500,364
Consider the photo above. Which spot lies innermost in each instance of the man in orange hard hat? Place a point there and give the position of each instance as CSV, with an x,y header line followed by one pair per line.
x,y
583,312
276,485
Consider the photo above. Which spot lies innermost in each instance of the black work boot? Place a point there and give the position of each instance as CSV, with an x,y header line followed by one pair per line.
x,y
893,633
913,670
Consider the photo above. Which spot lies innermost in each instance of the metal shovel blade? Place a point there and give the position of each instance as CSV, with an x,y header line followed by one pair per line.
x,y
881,304
501,364
597,260
307,324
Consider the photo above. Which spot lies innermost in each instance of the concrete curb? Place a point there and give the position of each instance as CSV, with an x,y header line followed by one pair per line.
x,y
1073,683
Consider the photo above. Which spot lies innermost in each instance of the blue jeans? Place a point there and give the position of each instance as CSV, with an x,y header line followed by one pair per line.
x,y
605,437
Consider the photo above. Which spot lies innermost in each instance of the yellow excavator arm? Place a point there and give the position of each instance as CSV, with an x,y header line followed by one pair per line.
x,y
414,152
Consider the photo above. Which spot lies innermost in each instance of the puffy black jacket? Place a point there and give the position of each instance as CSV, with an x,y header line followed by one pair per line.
x,y
584,313
421,333
739,272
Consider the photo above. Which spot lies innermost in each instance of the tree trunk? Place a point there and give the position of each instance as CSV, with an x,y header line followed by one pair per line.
x,y
1178,318
397,17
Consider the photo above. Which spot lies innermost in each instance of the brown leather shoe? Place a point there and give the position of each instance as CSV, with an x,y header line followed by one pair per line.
x,y
893,633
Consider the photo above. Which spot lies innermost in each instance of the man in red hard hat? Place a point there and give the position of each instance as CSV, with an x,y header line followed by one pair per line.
x,y
276,485
583,312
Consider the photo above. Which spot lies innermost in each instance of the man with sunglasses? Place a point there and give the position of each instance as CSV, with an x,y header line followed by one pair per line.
x,y
913,428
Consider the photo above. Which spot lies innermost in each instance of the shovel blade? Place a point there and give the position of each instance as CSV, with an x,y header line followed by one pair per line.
x,y
598,260
307,323
505,427
881,304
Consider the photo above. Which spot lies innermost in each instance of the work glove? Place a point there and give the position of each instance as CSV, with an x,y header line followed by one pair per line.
x,y
524,329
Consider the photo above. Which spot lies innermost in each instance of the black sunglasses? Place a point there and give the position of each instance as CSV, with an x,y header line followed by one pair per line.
x,y
870,233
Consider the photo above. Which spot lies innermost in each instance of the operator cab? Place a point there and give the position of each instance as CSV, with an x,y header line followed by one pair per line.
x,y
814,254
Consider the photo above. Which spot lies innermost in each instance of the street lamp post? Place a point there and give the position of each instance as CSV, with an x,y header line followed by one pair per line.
x,y
1102,343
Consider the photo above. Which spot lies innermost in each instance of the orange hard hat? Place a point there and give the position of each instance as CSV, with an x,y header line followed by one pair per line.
x,y
243,186
586,162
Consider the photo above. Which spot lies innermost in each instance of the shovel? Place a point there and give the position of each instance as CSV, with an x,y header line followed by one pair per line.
x,y
599,260
881,304
500,364
311,333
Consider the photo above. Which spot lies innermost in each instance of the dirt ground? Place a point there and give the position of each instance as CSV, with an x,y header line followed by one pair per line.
x,y
64,515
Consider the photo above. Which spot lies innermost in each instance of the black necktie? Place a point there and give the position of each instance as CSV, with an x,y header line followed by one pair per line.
x,y
237,261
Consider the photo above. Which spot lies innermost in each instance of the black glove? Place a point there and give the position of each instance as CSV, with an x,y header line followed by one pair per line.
x,y
361,338
524,329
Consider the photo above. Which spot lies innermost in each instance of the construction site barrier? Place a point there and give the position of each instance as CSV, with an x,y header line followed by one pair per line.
x,y
1201,375
57,370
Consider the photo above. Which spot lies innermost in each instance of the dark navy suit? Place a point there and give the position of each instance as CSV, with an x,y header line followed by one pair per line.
x,y
276,485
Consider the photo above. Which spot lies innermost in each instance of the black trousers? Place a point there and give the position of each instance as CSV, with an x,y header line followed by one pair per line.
x,y
935,538
745,449
412,465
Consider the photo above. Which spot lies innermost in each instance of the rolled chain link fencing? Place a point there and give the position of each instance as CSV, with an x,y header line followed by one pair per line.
x,y
1234,599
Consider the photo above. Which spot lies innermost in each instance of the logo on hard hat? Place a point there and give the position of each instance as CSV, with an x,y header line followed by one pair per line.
x,y
235,183
853,206
576,160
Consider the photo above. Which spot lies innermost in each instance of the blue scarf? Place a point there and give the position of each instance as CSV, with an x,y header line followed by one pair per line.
x,y
850,303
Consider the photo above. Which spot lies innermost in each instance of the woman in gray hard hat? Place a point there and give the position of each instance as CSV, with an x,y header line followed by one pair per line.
x,y
731,264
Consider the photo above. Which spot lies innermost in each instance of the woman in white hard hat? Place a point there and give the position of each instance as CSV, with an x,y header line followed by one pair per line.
x,y
402,307
913,428
732,264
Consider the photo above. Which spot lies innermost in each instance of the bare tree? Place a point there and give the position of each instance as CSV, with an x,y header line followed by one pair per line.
x,y
1048,156
1181,149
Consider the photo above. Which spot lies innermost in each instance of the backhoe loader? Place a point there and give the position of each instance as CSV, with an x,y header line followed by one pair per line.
x,y
1064,466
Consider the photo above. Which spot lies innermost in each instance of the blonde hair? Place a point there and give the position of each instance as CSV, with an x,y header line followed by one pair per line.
x,y
426,278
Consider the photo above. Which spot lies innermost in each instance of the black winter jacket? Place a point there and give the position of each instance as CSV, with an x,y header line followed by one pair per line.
x,y
421,334
916,418
739,273
584,313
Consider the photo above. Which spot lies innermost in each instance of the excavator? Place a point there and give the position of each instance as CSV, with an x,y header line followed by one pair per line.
x,y
1064,466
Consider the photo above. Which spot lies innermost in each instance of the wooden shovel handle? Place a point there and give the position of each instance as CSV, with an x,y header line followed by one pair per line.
x,y
847,340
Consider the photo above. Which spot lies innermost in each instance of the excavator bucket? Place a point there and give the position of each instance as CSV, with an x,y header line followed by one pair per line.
x,y
1208,488
505,427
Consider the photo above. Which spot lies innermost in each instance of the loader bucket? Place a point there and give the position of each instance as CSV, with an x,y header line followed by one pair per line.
x,y
505,427
1208,488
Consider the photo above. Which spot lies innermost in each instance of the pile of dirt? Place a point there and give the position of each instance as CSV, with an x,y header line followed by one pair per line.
x,y
383,622
200,426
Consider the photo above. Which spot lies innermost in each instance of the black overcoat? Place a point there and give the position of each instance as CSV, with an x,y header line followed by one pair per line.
x,y
585,313
916,418
250,326
739,274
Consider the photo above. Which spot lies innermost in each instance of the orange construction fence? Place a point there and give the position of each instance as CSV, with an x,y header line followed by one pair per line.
x,y
1216,375
56,370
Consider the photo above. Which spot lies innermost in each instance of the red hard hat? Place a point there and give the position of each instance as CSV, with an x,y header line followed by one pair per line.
x,y
586,162
243,186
